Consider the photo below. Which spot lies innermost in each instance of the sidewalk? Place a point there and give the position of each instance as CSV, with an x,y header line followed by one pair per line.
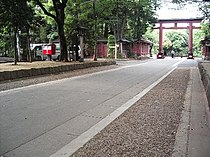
x,y
199,131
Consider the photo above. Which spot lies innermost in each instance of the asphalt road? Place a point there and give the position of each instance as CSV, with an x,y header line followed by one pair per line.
x,y
38,120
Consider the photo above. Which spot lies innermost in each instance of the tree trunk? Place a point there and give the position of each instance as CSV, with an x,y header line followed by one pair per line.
x,y
28,46
106,31
15,44
59,7
63,45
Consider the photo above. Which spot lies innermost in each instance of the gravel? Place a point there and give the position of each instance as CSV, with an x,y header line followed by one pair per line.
x,y
148,128
5,85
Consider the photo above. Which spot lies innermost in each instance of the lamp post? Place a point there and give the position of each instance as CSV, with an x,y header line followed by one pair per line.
x,y
95,21
81,47
81,29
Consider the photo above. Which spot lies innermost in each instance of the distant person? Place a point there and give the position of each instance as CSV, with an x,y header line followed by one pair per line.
x,y
172,53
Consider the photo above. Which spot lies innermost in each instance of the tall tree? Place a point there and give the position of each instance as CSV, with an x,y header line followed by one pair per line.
x,y
59,17
141,16
16,15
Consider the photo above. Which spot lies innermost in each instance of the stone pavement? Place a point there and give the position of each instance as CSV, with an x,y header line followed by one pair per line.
x,y
199,131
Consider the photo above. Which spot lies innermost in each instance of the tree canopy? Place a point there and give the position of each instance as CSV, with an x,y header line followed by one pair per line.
x,y
46,20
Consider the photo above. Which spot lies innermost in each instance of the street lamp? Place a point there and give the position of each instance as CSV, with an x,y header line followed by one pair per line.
x,y
81,39
81,32
81,46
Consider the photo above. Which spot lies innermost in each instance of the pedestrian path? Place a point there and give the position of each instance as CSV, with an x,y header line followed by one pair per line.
x,y
199,131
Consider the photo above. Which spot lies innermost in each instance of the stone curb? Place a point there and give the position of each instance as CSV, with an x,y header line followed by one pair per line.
x,y
206,80
11,75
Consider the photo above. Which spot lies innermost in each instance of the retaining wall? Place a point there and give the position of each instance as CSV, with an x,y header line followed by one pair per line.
x,y
10,75
205,77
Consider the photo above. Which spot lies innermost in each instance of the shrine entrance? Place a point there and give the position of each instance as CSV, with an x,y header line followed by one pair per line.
x,y
178,24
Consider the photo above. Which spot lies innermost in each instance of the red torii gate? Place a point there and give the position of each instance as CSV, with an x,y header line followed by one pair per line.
x,y
175,22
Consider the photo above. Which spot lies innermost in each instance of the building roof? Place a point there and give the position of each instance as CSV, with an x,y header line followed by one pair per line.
x,y
124,40
206,41
143,41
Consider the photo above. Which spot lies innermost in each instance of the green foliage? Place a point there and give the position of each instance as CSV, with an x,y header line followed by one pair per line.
x,y
141,16
197,37
15,13
203,5
111,46
152,35
79,14
16,16
122,18
179,42
205,27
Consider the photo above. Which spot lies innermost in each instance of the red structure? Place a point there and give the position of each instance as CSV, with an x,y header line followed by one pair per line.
x,y
175,23
49,49
102,48
206,48
141,47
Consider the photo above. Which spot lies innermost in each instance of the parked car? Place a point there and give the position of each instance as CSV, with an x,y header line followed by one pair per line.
x,y
37,51
160,55
190,56
38,54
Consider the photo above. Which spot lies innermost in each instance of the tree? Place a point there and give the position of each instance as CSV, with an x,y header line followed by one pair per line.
x,y
197,37
179,41
203,5
111,44
59,17
152,35
141,17
100,18
16,15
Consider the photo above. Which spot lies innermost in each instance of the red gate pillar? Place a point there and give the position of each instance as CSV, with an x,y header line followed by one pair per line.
x,y
161,38
190,38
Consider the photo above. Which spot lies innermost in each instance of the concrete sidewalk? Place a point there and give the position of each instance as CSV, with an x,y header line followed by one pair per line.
x,y
9,71
199,131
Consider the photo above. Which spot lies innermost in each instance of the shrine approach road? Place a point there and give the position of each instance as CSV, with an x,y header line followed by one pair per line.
x,y
40,119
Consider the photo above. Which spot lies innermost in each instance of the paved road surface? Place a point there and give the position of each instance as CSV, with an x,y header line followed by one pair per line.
x,y
38,120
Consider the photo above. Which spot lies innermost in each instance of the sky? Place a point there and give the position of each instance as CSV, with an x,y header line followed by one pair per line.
x,y
168,11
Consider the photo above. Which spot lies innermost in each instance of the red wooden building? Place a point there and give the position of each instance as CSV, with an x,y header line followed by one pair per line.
x,y
206,48
139,47
102,48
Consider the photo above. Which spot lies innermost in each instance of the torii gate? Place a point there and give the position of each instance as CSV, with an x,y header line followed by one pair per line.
x,y
190,27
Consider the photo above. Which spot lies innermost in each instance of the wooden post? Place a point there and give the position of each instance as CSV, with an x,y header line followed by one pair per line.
x,y
190,37
161,38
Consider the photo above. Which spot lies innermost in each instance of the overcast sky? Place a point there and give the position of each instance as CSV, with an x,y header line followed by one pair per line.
x,y
168,11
